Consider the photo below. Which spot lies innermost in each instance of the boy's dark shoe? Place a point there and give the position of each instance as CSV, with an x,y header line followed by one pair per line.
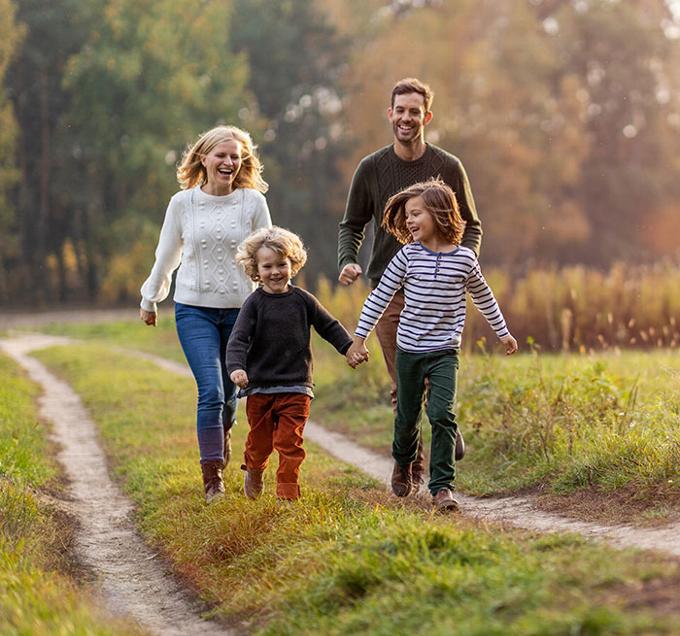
x,y
227,443
443,501
253,486
402,484
213,485
460,446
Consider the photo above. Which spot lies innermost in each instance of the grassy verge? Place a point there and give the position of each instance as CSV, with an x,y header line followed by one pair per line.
x,y
600,432
347,558
38,594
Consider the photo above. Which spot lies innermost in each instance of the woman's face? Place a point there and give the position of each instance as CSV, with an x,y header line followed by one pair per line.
x,y
222,164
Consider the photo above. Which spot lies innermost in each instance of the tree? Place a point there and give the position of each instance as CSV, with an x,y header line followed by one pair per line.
x,y
295,58
152,75
10,38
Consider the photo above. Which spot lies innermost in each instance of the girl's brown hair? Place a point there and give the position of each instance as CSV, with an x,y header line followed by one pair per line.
x,y
191,172
440,202
284,242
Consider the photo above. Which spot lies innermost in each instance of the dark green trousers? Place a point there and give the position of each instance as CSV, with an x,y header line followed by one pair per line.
x,y
441,368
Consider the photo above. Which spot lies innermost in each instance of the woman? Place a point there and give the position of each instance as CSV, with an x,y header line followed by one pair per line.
x,y
221,202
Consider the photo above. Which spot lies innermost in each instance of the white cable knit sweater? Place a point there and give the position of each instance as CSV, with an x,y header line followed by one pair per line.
x,y
202,231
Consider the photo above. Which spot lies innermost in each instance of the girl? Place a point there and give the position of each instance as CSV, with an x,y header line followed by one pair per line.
x,y
270,358
220,203
435,271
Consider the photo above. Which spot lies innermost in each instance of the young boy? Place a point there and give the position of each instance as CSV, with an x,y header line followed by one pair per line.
x,y
270,359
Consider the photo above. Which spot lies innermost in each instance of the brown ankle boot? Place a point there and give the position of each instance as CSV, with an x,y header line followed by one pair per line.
x,y
460,446
401,480
253,486
418,466
227,442
212,481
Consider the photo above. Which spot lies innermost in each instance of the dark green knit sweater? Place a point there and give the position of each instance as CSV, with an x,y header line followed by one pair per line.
x,y
377,178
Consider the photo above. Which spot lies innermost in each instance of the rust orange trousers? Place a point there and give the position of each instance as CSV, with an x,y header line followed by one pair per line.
x,y
276,423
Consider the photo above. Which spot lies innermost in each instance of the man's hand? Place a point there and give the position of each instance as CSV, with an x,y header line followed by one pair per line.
x,y
239,378
349,273
148,317
510,344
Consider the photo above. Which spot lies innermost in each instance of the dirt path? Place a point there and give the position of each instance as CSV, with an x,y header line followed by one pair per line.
x,y
130,578
516,511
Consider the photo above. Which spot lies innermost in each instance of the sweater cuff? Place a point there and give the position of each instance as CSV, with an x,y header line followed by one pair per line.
x,y
147,305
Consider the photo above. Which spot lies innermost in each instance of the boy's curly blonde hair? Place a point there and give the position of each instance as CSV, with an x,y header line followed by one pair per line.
x,y
285,243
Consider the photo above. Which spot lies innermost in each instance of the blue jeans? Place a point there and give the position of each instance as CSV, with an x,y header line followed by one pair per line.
x,y
203,333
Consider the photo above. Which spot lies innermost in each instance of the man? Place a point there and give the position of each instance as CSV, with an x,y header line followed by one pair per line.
x,y
407,160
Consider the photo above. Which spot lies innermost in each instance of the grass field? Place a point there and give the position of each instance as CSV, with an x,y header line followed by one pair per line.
x,y
347,558
39,592
600,432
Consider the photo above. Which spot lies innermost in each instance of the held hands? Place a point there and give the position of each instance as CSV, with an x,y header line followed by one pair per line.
x,y
349,274
357,353
239,378
149,318
510,344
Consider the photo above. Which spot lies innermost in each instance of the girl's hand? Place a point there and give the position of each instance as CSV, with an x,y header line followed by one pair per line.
x,y
239,378
148,317
510,344
357,353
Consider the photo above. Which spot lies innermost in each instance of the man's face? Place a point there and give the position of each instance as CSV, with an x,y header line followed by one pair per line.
x,y
408,117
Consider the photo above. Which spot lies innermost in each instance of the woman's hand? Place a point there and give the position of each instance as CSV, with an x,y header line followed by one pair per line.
x,y
239,378
148,317
510,344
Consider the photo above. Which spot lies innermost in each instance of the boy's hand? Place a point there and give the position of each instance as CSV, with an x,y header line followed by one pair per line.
x,y
357,353
239,378
510,344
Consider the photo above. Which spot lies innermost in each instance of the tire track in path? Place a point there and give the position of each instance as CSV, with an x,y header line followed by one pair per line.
x,y
129,577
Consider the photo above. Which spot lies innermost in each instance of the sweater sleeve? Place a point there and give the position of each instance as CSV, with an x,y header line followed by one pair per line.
x,y
358,213
261,218
241,335
484,300
328,327
168,257
376,303
472,236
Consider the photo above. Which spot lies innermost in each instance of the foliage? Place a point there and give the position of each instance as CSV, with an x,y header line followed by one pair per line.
x,y
296,60
11,35
346,558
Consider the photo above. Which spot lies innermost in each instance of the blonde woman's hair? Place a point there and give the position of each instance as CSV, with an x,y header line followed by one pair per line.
x,y
284,242
440,202
191,172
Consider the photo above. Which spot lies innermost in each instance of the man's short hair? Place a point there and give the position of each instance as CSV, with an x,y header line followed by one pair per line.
x,y
413,85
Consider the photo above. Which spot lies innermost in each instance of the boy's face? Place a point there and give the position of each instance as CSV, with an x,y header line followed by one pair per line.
x,y
274,270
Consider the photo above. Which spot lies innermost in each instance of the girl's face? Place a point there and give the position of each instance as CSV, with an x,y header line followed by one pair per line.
x,y
274,270
419,221
222,164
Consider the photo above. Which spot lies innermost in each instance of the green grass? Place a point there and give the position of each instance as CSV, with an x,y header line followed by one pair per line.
x,y
568,422
37,595
347,558
565,423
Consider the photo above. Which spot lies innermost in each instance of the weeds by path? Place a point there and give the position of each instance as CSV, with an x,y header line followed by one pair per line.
x,y
37,593
347,558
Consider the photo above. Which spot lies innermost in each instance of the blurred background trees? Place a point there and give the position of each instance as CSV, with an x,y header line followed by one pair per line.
x,y
565,113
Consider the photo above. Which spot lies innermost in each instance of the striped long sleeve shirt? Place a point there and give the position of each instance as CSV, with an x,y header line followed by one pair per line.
x,y
434,290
